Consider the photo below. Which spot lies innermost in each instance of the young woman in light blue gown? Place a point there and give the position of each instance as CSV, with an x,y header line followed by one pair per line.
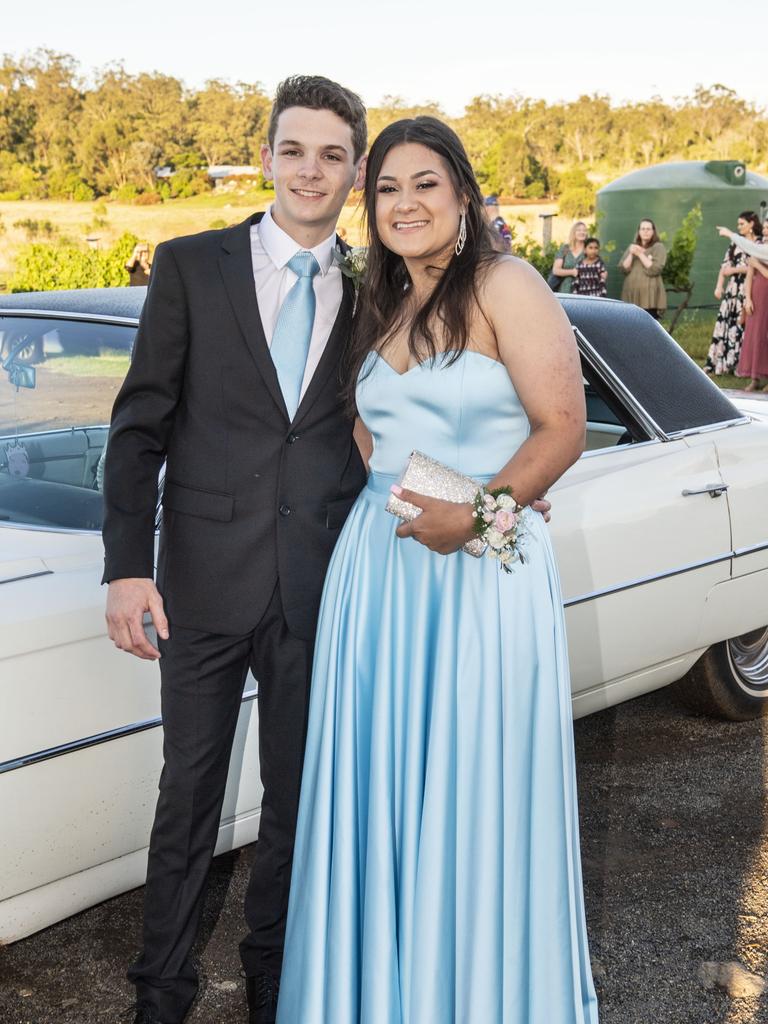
x,y
436,876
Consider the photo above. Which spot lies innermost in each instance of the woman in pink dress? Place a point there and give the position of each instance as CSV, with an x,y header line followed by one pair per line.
x,y
753,361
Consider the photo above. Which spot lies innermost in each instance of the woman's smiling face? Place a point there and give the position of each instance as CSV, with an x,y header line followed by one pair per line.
x,y
417,208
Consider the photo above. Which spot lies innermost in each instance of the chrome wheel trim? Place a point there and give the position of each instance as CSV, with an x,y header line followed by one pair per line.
x,y
748,660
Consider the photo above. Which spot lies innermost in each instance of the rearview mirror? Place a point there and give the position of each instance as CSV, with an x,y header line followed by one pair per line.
x,y
20,376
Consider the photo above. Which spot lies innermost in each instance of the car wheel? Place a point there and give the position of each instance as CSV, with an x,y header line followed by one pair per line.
x,y
730,680
31,352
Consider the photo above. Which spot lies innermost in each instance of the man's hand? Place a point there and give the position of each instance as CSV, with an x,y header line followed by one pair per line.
x,y
544,507
127,601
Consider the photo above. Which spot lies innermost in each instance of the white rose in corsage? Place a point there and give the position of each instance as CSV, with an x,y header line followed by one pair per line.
x,y
498,521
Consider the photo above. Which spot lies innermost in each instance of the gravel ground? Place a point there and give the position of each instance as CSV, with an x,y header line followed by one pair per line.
x,y
675,853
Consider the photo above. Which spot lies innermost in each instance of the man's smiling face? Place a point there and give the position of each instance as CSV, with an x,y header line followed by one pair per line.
x,y
313,167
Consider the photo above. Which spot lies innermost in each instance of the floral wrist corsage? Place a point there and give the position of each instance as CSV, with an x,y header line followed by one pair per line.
x,y
498,521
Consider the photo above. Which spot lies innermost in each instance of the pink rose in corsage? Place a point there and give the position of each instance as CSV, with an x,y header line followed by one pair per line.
x,y
498,522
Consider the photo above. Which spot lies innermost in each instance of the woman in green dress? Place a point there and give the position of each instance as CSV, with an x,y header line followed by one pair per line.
x,y
568,258
642,263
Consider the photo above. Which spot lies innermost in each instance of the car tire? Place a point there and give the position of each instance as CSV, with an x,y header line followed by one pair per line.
x,y
28,355
730,680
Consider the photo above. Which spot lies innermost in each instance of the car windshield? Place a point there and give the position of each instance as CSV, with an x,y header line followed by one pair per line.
x,y
57,387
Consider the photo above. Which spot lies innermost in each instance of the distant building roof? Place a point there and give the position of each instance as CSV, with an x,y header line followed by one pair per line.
x,y
232,171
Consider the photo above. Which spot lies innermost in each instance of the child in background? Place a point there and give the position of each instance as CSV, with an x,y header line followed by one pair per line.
x,y
591,272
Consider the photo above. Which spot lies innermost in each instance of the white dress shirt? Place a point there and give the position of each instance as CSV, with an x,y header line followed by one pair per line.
x,y
271,249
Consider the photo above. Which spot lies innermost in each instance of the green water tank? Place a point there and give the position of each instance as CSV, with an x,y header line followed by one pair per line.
x,y
665,193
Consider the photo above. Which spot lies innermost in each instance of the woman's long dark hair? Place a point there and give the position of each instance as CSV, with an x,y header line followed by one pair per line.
x,y
751,218
382,299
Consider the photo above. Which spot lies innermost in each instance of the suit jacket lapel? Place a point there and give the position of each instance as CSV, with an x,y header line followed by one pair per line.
x,y
330,360
236,267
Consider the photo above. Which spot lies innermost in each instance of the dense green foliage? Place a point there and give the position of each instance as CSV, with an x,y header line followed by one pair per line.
x,y
62,138
43,266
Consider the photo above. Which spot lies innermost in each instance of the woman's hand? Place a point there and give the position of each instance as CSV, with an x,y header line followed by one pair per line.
x,y
725,232
749,307
443,526
446,526
719,291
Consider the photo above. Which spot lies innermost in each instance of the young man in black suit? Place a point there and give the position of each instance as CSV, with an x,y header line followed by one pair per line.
x,y
235,385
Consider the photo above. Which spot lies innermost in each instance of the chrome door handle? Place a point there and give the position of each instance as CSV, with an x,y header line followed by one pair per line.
x,y
713,490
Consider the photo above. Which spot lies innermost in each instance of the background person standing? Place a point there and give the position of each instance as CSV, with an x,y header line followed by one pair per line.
x,y
501,233
725,348
643,262
569,255
139,265
753,361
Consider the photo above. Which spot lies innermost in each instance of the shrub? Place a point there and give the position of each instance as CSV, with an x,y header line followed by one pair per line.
x,y
148,199
124,194
33,228
677,270
68,185
218,223
535,190
541,257
577,201
41,266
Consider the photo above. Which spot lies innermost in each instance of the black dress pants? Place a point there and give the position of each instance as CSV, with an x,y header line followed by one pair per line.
x,y
202,682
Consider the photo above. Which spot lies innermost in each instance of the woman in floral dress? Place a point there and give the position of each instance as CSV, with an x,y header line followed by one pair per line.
x,y
725,348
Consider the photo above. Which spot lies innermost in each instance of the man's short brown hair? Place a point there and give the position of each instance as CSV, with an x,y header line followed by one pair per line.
x,y
318,93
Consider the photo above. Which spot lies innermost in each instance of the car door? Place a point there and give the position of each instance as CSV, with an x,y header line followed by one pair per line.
x,y
640,541
80,735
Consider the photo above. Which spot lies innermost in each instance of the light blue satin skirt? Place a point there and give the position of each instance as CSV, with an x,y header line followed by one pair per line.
x,y
436,876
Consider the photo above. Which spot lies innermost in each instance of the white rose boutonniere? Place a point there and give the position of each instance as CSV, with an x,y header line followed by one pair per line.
x,y
352,264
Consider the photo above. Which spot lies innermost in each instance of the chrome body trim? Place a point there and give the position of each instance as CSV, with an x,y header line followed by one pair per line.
x,y
52,314
751,549
707,427
92,741
633,445
617,588
27,576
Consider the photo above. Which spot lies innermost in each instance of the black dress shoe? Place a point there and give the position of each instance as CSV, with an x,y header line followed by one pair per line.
x,y
262,990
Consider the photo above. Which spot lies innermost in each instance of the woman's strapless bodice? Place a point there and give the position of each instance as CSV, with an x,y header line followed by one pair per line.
x,y
466,414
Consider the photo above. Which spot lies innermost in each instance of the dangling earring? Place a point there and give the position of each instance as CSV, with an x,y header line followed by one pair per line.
x,y
462,239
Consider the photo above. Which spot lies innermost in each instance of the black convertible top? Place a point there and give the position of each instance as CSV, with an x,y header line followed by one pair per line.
x,y
122,302
664,380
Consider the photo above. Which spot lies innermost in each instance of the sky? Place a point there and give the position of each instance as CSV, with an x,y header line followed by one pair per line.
x,y
447,51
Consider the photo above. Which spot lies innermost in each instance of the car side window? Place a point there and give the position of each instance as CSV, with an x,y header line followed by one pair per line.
x,y
58,382
609,424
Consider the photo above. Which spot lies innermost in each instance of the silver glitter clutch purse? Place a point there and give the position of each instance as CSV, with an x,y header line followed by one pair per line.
x,y
430,477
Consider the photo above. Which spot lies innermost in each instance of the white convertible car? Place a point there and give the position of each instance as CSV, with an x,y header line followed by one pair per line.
x,y
661,530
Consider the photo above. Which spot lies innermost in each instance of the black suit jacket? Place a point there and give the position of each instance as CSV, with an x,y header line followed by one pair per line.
x,y
250,498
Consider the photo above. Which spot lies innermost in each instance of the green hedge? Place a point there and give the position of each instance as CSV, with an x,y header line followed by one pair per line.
x,y
44,266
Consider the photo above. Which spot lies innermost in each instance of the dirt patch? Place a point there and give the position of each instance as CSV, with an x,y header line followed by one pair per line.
x,y
58,401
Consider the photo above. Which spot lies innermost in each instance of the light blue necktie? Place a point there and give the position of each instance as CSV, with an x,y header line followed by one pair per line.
x,y
293,330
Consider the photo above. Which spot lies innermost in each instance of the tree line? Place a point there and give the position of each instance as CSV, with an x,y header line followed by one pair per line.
x,y
62,136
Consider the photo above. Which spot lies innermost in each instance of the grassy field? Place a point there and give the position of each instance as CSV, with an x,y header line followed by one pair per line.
x,y
108,363
694,333
157,223
107,221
